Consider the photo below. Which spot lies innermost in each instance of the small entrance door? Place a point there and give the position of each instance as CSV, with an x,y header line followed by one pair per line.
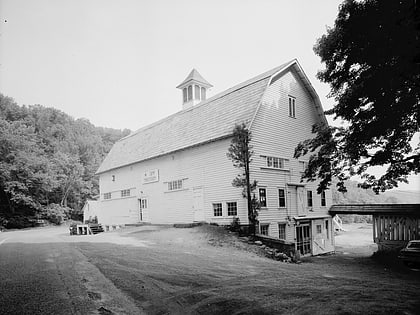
x,y
143,210
303,238
300,192
198,204
140,212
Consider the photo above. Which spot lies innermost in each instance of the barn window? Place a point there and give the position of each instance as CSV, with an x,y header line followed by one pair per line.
x,y
264,229
144,203
309,198
190,96
125,193
175,185
263,197
184,94
318,228
107,196
232,208
196,92
282,198
282,231
203,93
275,162
292,106
217,209
323,199
302,166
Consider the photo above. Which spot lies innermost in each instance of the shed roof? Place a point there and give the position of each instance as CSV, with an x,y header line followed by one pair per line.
x,y
210,120
389,208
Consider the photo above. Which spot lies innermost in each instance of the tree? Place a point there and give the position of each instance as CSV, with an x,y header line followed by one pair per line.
x,y
240,152
372,63
48,159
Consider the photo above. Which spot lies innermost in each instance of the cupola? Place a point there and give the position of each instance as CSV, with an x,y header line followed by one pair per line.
x,y
194,89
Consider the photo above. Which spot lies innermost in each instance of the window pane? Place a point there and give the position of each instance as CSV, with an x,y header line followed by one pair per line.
x,y
196,92
269,161
282,231
264,229
190,92
263,198
217,209
318,229
203,93
184,92
290,106
294,107
282,198
309,197
232,208
276,162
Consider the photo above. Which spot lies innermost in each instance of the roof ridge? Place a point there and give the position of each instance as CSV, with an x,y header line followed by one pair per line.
x,y
219,95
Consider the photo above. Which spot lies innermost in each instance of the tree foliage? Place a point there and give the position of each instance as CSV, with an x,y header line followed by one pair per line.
x,y
240,152
48,159
372,63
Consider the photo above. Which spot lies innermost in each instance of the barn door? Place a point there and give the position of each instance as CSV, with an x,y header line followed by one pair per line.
x,y
144,210
198,204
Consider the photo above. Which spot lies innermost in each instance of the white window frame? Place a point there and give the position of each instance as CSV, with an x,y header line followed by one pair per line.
x,y
144,203
197,91
285,197
285,230
323,199
275,162
265,196
125,193
227,208
309,193
302,166
214,209
175,185
265,225
292,106
319,229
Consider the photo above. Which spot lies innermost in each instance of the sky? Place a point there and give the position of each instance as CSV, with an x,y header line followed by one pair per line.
x,y
117,63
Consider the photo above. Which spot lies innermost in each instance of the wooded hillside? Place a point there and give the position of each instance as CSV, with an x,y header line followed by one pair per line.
x,y
48,162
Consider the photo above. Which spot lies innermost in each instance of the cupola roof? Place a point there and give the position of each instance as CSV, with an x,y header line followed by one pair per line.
x,y
194,77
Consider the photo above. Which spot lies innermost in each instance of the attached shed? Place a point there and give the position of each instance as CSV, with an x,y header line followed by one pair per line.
x,y
393,224
91,210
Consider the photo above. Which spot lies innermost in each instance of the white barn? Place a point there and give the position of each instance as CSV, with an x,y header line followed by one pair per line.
x,y
176,170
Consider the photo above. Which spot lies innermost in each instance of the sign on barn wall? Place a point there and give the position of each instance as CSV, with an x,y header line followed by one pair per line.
x,y
151,176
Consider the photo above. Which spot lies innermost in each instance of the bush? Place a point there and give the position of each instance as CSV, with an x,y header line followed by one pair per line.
x,y
18,222
235,225
55,213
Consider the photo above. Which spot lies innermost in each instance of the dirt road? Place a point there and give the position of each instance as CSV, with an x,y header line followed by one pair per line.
x,y
160,270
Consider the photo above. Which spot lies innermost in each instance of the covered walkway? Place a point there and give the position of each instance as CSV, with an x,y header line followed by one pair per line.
x,y
393,224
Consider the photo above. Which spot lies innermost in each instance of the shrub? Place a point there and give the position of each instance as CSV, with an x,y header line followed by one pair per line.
x,y
55,213
235,225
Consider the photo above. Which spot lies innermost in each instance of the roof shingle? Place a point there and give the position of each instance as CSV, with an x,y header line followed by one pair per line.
x,y
208,121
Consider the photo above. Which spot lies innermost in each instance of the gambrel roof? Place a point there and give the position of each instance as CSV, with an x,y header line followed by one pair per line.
x,y
210,120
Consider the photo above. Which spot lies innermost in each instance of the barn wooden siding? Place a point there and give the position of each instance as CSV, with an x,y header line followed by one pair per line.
x,y
394,231
203,166
276,134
